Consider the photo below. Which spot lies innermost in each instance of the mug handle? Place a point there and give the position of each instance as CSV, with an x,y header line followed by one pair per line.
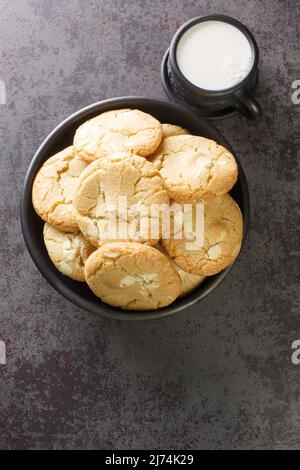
x,y
247,105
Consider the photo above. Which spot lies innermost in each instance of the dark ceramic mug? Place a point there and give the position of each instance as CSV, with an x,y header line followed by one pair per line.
x,y
212,104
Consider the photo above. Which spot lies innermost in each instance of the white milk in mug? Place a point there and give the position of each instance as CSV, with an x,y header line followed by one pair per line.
x,y
214,55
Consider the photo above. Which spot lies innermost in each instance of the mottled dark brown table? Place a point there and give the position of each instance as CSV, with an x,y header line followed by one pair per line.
x,y
216,376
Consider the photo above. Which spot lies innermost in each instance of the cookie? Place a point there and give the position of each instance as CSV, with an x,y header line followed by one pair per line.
x,y
172,129
67,251
223,231
194,168
121,130
189,281
110,194
54,187
132,276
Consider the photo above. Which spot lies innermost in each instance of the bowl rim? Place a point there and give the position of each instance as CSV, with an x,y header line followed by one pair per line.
x,y
103,309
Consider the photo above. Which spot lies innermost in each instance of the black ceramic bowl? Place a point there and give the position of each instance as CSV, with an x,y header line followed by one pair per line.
x,y
32,225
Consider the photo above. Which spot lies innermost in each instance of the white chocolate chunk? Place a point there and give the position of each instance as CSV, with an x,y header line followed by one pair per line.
x,y
214,252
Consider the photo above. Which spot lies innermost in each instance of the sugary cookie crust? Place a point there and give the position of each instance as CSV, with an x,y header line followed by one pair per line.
x,y
132,276
122,130
54,187
223,230
172,129
194,168
67,251
100,186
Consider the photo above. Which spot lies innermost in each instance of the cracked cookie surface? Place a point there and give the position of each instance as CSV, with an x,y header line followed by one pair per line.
x,y
53,189
172,129
121,130
132,276
194,168
67,251
109,194
223,231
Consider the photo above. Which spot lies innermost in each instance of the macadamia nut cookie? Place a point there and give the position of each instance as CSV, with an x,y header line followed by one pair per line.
x,y
67,251
194,168
172,129
121,130
54,187
223,231
189,281
114,199
132,276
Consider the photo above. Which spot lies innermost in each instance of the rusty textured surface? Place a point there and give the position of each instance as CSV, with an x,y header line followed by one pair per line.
x,y
218,375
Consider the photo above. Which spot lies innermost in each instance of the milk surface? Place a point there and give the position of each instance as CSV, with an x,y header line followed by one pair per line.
x,y
214,55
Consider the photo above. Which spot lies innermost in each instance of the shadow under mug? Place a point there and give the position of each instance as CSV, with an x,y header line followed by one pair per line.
x,y
212,104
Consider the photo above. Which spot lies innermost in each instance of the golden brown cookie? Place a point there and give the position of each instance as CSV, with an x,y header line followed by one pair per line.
x,y
110,194
67,251
54,187
132,276
223,231
172,129
120,130
189,281
194,168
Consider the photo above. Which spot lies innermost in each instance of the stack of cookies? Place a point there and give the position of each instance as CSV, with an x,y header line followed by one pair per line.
x,y
129,155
